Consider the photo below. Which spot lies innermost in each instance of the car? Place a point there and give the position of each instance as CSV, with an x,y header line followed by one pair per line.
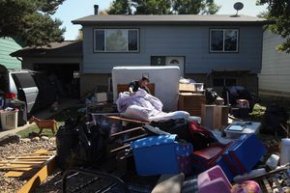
x,y
17,84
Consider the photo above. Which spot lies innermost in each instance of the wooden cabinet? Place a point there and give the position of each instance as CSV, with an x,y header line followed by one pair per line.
x,y
191,102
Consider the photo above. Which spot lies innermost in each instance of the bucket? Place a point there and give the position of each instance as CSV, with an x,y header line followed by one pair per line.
x,y
9,119
285,151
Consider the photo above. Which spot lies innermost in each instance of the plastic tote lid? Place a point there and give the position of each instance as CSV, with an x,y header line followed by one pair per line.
x,y
154,140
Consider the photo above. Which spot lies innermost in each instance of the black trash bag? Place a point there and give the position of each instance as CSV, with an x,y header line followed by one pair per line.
x,y
66,142
275,118
80,144
92,146
210,95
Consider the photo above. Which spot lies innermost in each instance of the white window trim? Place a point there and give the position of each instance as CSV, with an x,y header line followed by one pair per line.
x,y
224,51
120,51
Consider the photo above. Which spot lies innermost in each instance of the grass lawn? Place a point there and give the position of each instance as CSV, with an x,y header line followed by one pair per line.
x,y
60,117
33,128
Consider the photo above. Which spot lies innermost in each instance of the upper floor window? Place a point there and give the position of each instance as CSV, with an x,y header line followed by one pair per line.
x,y
116,40
224,40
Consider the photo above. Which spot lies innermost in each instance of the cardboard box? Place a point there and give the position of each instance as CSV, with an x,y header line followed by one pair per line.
x,y
101,97
214,116
160,155
187,88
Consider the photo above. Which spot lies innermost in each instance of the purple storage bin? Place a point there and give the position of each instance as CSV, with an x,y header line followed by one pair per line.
x,y
213,180
161,155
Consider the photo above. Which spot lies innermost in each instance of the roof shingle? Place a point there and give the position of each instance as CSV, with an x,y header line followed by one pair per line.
x,y
168,19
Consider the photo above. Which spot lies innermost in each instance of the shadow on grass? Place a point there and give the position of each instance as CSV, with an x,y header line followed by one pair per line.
x,y
34,129
60,117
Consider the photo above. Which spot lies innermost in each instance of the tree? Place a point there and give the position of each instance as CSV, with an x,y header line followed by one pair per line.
x,y
120,7
195,7
279,10
163,7
152,6
30,20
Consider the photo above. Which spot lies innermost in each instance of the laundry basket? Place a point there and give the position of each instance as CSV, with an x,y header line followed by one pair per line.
x,y
9,119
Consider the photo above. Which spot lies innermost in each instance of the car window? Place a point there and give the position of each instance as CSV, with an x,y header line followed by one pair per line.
x,y
24,80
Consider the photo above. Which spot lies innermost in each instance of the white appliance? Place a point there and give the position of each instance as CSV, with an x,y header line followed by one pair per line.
x,y
165,78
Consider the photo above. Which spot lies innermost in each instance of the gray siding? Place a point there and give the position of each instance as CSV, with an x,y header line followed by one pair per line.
x,y
275,74
189,41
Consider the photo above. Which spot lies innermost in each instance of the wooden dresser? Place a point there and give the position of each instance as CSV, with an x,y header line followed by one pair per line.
x,y
191,102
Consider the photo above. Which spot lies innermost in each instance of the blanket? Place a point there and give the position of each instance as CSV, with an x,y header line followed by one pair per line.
x,y
144,106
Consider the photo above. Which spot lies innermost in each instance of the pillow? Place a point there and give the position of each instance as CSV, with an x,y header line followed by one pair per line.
x,y
137,112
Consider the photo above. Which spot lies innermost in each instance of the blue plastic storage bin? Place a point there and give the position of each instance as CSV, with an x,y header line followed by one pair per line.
x,y
242,155
161,155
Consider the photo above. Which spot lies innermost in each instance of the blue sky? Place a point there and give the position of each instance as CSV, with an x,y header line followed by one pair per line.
x,y
74,9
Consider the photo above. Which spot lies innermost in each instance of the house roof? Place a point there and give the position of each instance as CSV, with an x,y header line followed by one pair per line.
x,y
170,19
54,49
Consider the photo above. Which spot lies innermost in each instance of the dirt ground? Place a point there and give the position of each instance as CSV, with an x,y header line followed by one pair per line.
x,y
11,185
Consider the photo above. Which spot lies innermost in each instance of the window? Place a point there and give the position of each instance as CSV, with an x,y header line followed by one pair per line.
x,y
158,60
24,80
224,40
116,40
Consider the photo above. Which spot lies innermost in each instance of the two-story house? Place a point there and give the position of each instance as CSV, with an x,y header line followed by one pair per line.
x,y
219,50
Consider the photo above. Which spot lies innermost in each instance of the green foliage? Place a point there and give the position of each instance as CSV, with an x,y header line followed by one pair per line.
x,y
120,7
258,112
195,7
152,6
30,20
279,10
163,7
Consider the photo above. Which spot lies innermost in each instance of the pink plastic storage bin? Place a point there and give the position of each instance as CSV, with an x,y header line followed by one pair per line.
x,y
213,180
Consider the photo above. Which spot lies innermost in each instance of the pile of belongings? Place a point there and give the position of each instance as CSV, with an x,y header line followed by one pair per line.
x,y
143,106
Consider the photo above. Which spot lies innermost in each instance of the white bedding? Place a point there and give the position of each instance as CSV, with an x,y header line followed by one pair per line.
x,y
143,106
